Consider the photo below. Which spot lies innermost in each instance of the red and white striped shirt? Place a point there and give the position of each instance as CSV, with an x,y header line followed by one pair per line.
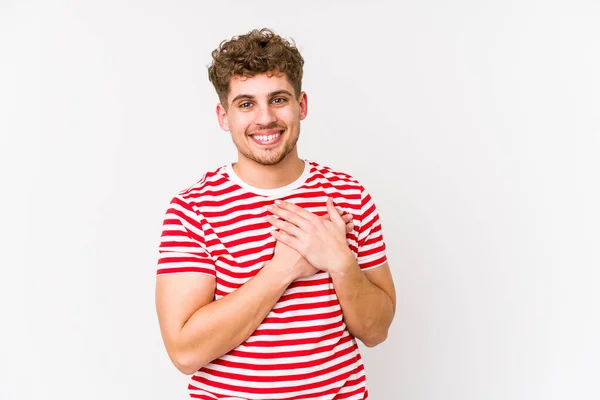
x,y
302,349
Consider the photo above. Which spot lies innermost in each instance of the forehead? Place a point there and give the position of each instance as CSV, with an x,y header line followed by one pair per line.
x,y
258,85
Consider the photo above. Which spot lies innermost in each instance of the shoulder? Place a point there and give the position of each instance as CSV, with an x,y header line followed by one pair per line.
x,y
207,188
333,175
344,183
212,181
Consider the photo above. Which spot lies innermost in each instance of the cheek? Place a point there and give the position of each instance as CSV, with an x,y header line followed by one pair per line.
x,y
288,117
238,125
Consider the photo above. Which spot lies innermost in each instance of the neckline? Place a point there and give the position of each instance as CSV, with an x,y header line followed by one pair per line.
x,y
275,192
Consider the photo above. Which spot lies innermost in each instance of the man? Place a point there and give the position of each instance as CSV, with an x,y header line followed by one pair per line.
x,y
262,285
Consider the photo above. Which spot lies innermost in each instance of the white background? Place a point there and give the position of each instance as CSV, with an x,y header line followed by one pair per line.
x,y
475,125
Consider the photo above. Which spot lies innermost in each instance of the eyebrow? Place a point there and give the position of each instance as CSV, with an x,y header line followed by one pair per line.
x,y
249,96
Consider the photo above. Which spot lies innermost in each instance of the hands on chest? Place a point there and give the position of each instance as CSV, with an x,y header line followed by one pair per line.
x,y
307,243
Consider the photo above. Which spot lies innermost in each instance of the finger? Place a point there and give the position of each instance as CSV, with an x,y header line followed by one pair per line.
x,y
333,213
346,217
349,227
289,240
290,216
285,226
307,215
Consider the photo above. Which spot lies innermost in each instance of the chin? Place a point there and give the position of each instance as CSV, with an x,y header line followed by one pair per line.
x,y
268,160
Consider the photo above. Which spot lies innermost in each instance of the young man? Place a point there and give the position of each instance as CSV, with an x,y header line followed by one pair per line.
x,y
263,281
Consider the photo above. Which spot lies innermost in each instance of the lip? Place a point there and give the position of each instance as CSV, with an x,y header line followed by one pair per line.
x,y
268,132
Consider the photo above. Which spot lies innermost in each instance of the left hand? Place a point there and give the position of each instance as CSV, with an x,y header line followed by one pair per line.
x,y
322,242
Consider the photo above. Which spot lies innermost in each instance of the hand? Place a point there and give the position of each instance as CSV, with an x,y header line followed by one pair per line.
x,y
321,241
290,263
293,263
347,218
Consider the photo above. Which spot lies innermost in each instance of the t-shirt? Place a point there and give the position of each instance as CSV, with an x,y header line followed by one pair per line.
x,y
302,349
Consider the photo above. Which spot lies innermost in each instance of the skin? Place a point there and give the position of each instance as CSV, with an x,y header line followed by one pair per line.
x,y
195,328
263,104
368,298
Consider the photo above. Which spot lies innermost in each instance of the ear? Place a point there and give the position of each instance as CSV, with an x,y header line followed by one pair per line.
x,y
222,117
303,102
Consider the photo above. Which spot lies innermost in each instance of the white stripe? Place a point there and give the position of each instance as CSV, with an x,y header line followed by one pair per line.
x,y
285,360
282,384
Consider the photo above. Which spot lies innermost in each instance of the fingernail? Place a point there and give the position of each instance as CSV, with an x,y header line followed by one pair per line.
x,y
270,207
278,202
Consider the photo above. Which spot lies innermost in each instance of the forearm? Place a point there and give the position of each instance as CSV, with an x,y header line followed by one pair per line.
x,y
220,326
368,310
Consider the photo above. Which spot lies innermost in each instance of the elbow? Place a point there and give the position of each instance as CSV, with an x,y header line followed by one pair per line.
x,y
185,369
185,363
373,334
374,340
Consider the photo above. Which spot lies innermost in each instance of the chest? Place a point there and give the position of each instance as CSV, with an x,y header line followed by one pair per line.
x,y
239,237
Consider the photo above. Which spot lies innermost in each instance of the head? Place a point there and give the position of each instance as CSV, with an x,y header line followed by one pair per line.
x,y
258,78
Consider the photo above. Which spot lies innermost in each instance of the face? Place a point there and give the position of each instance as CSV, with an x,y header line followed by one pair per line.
x,y
263,115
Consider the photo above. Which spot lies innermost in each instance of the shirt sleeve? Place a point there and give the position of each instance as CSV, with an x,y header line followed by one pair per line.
x,y
182,247
371,246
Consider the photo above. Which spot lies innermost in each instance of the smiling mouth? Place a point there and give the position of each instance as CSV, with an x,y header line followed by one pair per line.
x,y
267,138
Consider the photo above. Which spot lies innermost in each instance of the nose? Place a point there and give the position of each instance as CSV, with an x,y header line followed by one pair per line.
x,y
265,115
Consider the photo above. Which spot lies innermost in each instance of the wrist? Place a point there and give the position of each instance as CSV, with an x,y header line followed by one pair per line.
x,y
346,262
277,273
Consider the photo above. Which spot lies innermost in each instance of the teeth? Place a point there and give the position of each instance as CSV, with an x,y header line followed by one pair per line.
x,y
266,138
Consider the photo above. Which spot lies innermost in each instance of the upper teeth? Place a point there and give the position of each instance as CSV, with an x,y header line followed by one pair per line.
x,y
266,138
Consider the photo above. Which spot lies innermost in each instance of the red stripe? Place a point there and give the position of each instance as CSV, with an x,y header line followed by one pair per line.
x,y
274,389
164,261
162,271
374,263
301,318
294,307
308,294
296,330
279,367
280,378
370,252
294,353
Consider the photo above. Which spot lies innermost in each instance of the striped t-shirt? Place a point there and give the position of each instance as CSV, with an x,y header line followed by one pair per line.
x,y
302,349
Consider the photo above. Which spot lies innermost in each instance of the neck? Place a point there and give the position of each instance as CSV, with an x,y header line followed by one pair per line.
x,y
270,176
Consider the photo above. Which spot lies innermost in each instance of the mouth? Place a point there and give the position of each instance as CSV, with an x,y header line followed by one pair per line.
x,y
267,138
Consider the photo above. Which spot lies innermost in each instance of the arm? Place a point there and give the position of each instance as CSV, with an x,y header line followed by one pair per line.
x,y
368,300
196,330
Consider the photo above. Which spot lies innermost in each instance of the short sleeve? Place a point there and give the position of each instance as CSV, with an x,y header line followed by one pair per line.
x,y
182,247
371,246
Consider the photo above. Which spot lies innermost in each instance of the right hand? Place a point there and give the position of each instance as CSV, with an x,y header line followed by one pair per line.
x,y
293,263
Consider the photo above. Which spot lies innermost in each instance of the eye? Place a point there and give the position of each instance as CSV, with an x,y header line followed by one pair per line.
x,y
245,104
279,100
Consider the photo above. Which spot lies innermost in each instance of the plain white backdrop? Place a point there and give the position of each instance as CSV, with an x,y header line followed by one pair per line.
x,y
474,124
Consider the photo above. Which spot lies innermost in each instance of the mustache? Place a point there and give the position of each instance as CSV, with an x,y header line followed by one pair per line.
x,y
274,125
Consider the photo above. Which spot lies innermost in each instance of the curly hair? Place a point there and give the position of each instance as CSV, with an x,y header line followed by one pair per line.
x,y
257,52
